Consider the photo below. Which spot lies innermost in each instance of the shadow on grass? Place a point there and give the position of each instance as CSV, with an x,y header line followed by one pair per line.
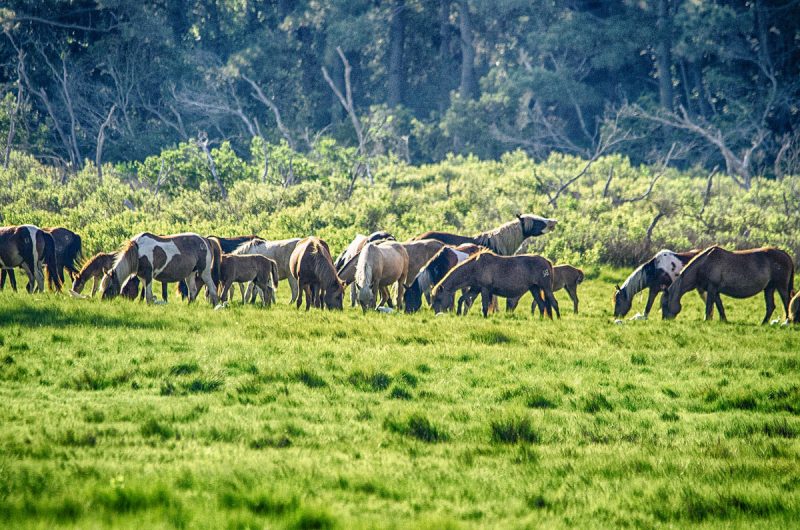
x,y
37,316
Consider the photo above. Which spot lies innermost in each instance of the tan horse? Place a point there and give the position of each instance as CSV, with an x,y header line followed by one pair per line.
x,y
420,252
505,276
279,251
167,259
312,268
739,274
248,268
29,248
94,269
380,265
794,309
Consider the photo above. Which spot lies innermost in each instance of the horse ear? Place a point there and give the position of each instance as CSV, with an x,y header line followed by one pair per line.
x,y
617,287
518,215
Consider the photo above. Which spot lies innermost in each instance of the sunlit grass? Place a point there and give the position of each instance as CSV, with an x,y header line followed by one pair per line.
x,y
180,416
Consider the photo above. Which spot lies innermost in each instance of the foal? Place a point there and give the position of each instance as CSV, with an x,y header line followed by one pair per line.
x,y
248,268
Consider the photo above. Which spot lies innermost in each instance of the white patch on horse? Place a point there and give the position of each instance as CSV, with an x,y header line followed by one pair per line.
x,y
668,262
147,246
460,256
32,231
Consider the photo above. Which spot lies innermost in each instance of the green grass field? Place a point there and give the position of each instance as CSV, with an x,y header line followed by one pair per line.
x,y
119,414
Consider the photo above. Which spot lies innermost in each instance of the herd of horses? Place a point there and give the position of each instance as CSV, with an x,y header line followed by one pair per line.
x,y
436,266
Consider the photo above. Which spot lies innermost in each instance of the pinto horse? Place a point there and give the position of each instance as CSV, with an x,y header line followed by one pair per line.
x,y
656,274
505,276
167,259
433,272
346,261
68,255
29,248
740,274
505,240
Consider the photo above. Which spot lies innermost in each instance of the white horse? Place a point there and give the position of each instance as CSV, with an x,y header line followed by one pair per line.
x,y
380,265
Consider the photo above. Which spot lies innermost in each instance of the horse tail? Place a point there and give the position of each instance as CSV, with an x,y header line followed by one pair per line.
x,y
73,255
273,274
216,259
580,277
49,258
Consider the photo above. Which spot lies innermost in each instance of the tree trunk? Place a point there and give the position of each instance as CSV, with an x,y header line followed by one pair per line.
x,y
444,55
468,88
397,29
664,55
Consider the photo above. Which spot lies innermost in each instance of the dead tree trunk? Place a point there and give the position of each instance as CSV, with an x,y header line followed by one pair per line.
x,y
202,142
101,140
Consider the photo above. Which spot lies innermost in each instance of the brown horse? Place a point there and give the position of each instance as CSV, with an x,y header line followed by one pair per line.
x,y
505,276
29,248
280,251
432,273
167,259
95,268
248,268
739,274
312,268
379,266
565,277
505,240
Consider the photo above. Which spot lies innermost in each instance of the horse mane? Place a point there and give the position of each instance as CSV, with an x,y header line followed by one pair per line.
x,y
323,266
505,239
364,268
424,277
95,261
245,247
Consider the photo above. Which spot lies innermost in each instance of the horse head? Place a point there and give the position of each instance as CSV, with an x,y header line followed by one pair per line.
x,y
671,301
110,285
622,303
333,297
534,225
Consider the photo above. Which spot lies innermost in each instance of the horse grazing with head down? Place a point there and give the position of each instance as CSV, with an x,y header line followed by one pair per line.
x,y
656,274
432,273
379,266
166,259
505,276
68,255
313,271
740,274
505,240
94,269
29,248
346,261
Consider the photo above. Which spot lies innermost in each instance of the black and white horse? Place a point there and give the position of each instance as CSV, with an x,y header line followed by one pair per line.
x,y
656,274
29,248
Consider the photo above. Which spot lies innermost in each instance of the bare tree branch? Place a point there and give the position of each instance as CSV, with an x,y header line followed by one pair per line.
x,y
202,142
259,95
101,139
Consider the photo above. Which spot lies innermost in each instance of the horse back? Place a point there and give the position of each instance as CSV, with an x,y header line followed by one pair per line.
x,y
446,237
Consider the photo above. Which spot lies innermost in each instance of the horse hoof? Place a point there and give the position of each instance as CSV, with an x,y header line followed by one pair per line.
x,y
775,322
638,316
619,322
387,310
79,296
223,305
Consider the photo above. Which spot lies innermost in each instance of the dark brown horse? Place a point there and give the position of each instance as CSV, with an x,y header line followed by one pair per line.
x,y
433,272
29,248
565,277
68,255
312,267
505,240
739,274
245,269
505,276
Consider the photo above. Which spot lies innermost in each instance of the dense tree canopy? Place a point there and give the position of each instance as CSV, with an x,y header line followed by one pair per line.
x,y
111,80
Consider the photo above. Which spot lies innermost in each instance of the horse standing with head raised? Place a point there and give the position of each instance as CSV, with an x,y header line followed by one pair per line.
x,y
29,248
505,240
740,274
166,259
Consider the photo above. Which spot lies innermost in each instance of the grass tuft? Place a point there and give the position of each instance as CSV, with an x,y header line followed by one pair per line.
x,y
417,426
513,430
370,381
399,392
491,336
310,379
184,368
596,402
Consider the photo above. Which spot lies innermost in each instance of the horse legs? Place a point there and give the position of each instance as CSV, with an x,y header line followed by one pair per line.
x,y
711,297
511,304
212,289
95,284
299,298
769,298
572,291
164,289
651,297
537,302
486,301
552,303
31,278
148,290
226,286
401,288
353,295
786,296
721,309
294,288
309,296
386,297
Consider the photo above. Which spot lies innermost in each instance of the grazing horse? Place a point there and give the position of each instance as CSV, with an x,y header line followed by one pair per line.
x,y
357,244
794,309
505,240
740,274
313,271
280,251
380,265
29,247
565,277
506,276
656,274
95,268
248,268
167,259
433,272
